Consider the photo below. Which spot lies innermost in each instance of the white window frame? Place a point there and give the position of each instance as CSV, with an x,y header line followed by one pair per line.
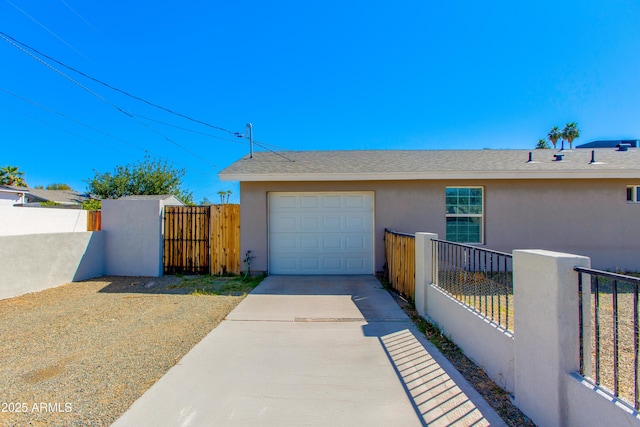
x,y
481,216
635,197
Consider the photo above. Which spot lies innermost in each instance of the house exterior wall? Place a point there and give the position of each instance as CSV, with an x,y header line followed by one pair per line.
x,y
586,217
10,199
36,220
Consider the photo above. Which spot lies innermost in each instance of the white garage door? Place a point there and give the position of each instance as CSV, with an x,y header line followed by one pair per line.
x,y
321,233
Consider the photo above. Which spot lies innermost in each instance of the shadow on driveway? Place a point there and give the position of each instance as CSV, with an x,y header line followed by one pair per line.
x,y
425,374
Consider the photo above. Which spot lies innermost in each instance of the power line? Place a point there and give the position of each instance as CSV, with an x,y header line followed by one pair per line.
x,y
62,129
106,101
23,46
50,32
72,119
184,116
274,152
190,130
83,19
51,110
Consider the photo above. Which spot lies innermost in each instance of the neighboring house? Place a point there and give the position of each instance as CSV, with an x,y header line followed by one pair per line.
x,y
10,195
324,212
63,197
632,143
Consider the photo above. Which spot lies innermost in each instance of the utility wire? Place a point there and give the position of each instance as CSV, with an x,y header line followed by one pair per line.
x,y
51,110
191,130
2,35
264,144
274,152
7,37
50,32
62,129
23,47
83,19
72,119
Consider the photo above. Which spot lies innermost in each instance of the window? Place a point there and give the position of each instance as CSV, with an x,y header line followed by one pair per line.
x,y
465,210
633,193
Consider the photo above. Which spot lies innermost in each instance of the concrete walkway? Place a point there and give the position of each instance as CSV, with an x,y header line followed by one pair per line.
x,y
313,351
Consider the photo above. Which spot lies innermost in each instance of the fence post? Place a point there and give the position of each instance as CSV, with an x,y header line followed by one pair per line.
x,y
423,265
546,328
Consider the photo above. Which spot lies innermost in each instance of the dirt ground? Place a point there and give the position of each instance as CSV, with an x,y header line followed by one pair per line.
x,y
82,353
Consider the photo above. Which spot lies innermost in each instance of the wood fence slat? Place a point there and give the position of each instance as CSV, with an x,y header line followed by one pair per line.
x,y
201,239
94,220
400,259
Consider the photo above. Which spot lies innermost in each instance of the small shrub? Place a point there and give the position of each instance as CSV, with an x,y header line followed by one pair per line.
x,y
92,205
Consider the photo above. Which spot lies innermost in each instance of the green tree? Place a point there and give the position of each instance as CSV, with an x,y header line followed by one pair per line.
x,y
92,205
542,145
554,135
206,202
148,177
56,186
570,132
11,175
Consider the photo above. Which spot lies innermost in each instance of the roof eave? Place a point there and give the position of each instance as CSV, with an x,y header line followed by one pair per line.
x,y
440,175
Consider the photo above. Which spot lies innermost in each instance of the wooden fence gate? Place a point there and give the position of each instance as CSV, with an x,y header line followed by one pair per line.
x,y
202,239
400,255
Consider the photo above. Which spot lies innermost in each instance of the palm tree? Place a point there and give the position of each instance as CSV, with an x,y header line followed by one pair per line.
x,y
10,175
542,145
222,193
554,135
570,132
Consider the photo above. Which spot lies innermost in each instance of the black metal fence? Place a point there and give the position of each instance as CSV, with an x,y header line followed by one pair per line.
x,y
609,346
480,278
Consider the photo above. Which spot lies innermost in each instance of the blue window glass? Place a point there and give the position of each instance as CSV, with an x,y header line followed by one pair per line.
x,y
464,211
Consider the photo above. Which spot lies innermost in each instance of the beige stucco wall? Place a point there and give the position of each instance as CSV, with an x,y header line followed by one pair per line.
x,y
586,217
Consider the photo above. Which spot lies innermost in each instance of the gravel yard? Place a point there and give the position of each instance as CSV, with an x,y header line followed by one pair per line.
x,y
82,353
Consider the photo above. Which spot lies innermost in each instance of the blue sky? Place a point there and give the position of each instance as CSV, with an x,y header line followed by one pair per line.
x,y
308,75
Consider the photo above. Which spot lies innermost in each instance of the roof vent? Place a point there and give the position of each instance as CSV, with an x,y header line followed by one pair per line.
x,y
558,157
531,158
624,146
593,159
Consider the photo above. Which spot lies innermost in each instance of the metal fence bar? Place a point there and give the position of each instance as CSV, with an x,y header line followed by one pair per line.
x,y
479,278
596,303
635,349
580,324
616,385
624,381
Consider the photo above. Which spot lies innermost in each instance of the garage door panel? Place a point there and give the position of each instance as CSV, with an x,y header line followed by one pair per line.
x,y
310,243
321,233
333,222
309,202
357,201
333,244
284,202
309,223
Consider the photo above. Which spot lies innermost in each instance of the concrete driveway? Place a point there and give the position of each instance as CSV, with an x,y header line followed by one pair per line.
x,y
313,351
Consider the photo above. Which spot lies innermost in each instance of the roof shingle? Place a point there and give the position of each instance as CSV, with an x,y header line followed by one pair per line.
x,y
432,164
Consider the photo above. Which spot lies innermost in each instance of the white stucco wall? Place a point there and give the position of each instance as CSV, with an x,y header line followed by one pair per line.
x,y
33,262
482,341
539,363
27,220
133,236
